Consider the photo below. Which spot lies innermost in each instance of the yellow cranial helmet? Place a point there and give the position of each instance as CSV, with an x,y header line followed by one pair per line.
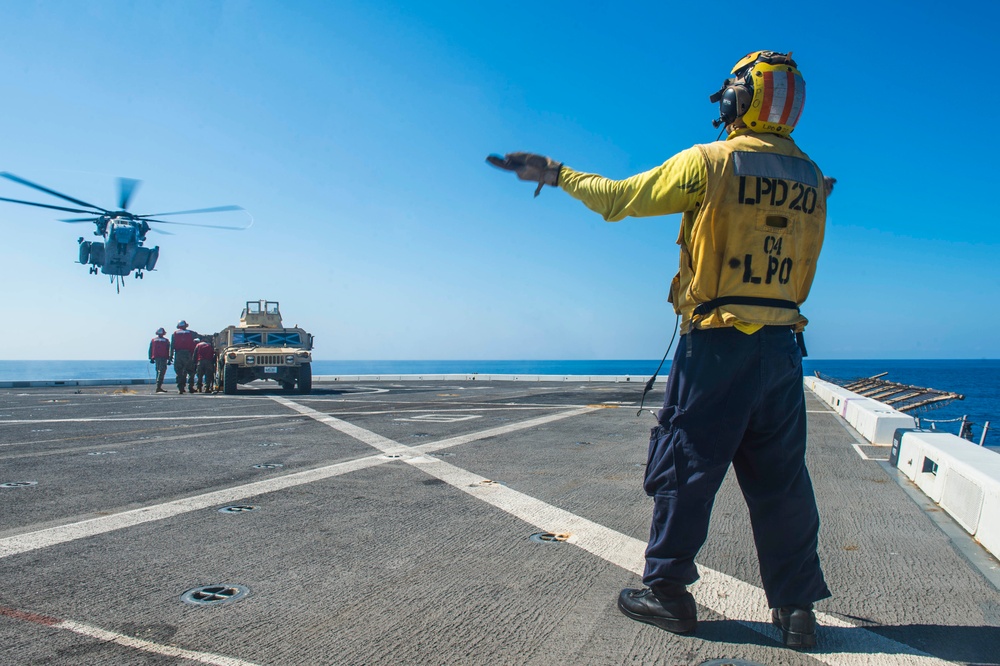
x,y
766,91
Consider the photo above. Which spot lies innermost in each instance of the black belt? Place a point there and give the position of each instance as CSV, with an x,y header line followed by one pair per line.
x,y
705,308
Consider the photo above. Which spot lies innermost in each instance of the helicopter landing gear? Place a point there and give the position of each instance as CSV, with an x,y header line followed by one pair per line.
x,y
93,270
138,275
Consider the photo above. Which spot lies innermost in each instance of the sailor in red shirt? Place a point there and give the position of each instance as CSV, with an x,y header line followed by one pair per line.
x,y
182,354
159,355
204,359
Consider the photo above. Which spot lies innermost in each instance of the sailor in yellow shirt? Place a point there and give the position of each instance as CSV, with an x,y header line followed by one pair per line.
x,y
754,214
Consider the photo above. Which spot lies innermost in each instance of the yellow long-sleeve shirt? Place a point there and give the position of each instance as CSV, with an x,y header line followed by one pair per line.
x,y
676,186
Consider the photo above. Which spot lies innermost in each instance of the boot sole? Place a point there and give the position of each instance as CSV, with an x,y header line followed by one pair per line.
x,y
671,625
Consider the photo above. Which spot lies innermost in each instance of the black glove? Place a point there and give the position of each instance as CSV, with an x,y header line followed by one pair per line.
x,y
529,166
152,361
828,184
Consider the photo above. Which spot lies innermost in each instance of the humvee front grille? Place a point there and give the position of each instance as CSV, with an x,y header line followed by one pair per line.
x,y
270,359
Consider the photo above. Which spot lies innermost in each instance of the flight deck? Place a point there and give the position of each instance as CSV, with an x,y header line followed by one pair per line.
x,y
431,522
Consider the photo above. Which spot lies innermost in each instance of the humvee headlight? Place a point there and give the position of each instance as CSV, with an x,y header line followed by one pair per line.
x,y
250,360
289,359
231,356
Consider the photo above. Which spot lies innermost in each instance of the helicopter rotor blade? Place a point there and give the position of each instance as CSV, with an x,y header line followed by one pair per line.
x,y
126,188
194,224
78,220
41,205
22,181
161,231
217,209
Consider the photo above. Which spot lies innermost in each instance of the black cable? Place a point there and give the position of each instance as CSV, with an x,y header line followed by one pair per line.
x,y
649,384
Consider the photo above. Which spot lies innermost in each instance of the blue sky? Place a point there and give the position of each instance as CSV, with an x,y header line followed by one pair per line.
x,y
355,133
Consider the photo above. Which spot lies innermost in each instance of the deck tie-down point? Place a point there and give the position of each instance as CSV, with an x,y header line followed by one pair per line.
x,y
550,537
213,595
486,483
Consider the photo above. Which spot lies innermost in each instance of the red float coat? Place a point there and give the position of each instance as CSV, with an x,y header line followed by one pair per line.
x,y
203,351
159,347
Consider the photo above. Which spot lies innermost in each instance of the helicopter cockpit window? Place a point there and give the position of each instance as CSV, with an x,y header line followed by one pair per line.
x,y
244,338
283,339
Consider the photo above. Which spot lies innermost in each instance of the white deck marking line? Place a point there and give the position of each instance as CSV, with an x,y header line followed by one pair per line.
x,y
149,418
22,543
388,446
843,644
122,639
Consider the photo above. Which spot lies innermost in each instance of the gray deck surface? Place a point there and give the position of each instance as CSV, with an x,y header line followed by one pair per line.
x,y
393,550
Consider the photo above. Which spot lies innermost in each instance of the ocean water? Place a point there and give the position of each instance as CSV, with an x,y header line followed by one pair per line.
x,y
977,380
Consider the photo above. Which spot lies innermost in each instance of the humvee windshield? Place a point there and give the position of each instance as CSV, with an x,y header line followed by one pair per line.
x,y
283,339
244,338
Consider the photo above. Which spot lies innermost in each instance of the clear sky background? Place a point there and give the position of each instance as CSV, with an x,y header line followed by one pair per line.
x,y
355,133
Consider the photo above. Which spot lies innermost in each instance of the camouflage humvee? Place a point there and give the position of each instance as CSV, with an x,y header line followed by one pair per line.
x,y
260,348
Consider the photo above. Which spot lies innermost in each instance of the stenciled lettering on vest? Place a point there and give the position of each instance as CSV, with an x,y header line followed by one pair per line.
x,y
777,266
777,192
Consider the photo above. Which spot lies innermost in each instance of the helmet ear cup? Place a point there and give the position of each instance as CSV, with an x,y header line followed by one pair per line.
x,y
735,102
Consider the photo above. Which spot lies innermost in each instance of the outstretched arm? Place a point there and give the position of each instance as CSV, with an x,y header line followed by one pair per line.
x,y
675,186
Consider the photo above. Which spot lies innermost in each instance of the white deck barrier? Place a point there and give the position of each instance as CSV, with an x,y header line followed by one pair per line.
x,y
875,421
960,476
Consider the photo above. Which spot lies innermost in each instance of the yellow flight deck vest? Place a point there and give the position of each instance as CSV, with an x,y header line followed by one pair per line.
x,y
749,254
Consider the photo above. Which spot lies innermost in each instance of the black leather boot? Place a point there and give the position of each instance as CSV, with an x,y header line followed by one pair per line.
x,y
797,624
672,609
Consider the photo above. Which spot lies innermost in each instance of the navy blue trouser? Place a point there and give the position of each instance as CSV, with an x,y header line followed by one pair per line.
x,y
736,399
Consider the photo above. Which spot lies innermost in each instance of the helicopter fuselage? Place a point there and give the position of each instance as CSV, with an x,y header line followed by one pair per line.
x,y
121,252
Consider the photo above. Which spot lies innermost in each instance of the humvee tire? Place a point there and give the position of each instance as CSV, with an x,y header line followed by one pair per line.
x,y
305,378
229,380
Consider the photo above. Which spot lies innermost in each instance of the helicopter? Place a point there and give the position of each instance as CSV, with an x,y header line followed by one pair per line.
x,y
121,250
